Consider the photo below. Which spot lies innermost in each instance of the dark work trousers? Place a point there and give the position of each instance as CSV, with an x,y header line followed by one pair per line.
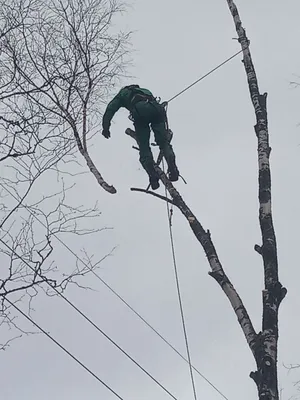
x,y
146,114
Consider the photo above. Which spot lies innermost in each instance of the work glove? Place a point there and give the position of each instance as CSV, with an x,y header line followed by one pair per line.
x,y
106,133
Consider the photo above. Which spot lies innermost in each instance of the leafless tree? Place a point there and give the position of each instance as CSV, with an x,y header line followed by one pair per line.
x,y
32,221
58,60
263,344
61,59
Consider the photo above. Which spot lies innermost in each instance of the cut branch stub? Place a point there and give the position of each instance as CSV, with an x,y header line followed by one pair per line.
x,y
258,249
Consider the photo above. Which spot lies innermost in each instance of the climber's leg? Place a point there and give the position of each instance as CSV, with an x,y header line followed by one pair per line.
x,y
160,134
142,131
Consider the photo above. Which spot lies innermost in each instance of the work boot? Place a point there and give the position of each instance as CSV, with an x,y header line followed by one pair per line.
x,y
173,173
154,182
153,176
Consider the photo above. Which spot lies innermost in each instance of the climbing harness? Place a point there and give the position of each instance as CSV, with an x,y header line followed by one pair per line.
x,y
139,96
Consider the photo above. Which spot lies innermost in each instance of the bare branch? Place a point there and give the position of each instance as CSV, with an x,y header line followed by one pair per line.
x,y
153,194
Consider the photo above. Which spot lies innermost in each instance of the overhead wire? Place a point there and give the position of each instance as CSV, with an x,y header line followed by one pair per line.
x,y
63,348
88,319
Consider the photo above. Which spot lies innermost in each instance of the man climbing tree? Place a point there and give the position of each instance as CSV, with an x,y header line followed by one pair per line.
x,y
145,110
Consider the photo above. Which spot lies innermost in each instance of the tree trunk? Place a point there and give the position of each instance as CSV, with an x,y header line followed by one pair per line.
x,y
267,343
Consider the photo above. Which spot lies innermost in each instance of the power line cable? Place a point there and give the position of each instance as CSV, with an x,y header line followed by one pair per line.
x,y
117,295
88,319
64,349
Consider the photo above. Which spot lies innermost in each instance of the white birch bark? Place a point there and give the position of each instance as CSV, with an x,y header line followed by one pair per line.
x,y
267,344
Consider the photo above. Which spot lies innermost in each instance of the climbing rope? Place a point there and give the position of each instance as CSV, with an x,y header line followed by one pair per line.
x,y
204,76
170,215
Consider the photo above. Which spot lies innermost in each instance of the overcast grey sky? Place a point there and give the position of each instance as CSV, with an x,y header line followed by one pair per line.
x,y
177,42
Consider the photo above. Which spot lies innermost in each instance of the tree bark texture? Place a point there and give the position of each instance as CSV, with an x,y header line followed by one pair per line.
x,y
267,344
91,165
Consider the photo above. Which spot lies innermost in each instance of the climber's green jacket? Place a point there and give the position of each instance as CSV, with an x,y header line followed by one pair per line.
x,y
126,98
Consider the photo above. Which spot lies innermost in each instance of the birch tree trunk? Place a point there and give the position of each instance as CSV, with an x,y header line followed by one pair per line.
x,y
264,345
267,343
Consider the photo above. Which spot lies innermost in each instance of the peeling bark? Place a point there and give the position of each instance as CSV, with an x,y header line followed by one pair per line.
x,y
217,271
94,170
266,352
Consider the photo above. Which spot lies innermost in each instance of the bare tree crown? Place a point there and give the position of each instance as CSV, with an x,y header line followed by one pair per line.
x,y
58,61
